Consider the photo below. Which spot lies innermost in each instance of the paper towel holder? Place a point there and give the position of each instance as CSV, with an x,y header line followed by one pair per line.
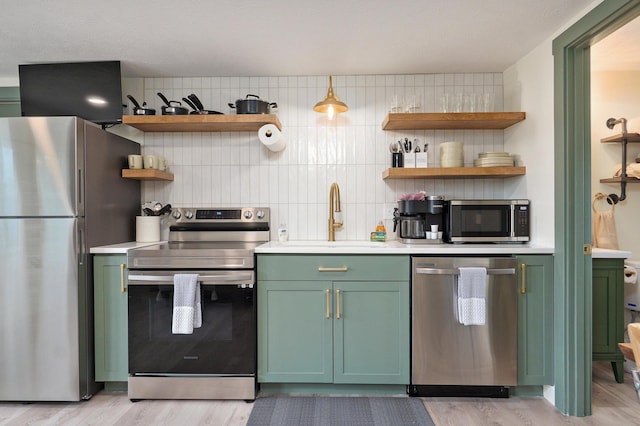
x,y
331,103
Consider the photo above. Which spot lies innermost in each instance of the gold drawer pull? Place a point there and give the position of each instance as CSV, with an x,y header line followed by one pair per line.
x,y
340,269
327,303
523,278
338,304
123,266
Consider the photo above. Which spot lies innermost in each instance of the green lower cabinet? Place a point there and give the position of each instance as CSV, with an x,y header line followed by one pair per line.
x,y
294,335
535,320
371,336
340,330
10,102
608,316
110,318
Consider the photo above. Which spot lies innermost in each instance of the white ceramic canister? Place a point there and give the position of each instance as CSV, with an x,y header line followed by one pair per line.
x,y
147,229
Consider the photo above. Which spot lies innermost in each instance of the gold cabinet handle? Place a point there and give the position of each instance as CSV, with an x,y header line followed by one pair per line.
x,y
338,304
340,269
327,303
523,278
123,266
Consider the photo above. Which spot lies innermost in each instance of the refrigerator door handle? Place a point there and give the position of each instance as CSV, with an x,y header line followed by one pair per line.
x,y
80,186
81,242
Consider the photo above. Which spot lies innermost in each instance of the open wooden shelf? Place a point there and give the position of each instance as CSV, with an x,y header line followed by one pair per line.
x,y
451,120
620,137
618,179
201,123
623,139
146,174
453,172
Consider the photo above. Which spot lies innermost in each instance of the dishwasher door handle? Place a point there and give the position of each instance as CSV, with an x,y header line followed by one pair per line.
x,y
456,271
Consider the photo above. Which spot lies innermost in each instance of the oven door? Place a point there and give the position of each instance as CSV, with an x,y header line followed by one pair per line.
x,y
225,344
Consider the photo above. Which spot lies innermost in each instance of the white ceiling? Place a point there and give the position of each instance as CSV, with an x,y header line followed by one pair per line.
x,y
190,38
619,51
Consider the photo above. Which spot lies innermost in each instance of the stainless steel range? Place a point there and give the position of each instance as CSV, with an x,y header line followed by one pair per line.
x,y
217,361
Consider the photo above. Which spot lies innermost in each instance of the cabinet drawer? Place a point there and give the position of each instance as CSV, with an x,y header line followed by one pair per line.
x,y
333,267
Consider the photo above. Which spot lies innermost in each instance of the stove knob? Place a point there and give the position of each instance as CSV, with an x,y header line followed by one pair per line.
x,y
260,214
248,214
188,214
176,214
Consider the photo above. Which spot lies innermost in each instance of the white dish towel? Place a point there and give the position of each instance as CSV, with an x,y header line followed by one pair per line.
x,y
187,309
472,288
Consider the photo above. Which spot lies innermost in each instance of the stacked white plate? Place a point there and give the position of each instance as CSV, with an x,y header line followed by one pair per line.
x,y
494,159
451,154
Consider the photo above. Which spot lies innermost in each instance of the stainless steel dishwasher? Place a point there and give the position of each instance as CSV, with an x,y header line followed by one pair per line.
x,y
452,359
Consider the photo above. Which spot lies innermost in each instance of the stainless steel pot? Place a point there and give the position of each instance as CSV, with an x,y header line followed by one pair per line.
x,y
170,107
140,110
252,106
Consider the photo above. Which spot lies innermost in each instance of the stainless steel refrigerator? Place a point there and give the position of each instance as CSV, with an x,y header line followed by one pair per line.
x,y
61,192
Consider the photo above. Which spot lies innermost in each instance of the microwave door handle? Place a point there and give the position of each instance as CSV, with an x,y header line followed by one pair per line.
x,y
512,221
456,271
203,279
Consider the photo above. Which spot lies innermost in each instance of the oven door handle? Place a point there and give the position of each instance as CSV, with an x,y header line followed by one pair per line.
x,y
203,279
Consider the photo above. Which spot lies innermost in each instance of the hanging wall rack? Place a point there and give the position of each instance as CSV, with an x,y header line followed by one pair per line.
x,y
623,138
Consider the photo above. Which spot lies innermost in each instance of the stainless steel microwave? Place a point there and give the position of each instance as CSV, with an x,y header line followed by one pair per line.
x,y
487,221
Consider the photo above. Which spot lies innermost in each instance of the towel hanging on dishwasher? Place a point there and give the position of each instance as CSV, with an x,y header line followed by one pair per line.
x,y
604,233
471,295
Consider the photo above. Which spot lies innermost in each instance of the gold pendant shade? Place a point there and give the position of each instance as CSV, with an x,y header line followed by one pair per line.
x,y
331,104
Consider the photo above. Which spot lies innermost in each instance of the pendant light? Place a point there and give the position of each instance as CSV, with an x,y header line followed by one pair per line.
x,y
331,104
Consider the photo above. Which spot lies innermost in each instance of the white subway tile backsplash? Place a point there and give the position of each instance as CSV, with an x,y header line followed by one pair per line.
x,y
231,169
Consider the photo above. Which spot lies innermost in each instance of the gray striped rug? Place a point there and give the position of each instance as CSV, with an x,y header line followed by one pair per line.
x,y
334,411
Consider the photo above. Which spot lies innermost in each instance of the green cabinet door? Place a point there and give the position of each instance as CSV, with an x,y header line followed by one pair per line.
x,y
295,332
608,316
371,334
10,102
535,320
110,318
333,319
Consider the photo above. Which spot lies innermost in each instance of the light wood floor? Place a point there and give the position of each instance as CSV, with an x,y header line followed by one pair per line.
x,y
613,404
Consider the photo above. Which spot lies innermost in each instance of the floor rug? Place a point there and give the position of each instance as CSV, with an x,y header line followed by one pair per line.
x,y
333,411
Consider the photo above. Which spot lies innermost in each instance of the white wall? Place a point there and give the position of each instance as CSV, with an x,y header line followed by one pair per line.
x,y
616,94
234,169
528,87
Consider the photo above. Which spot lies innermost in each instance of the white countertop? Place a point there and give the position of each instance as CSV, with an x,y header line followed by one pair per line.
x,y
600,253
120,248
395,247
390,247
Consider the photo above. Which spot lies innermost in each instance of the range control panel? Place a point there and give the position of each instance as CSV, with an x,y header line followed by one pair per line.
x,y
185,215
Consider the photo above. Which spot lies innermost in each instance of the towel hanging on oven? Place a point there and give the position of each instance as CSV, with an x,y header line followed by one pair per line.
x,y
187,309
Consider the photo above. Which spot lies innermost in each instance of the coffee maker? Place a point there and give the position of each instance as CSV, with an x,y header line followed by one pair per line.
x,y
420,221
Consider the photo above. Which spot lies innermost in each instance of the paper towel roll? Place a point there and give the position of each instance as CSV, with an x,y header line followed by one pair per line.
x,y
630,274
147,229
271,137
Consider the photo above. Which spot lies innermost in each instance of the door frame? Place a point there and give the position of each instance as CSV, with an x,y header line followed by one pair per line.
x,y
572,131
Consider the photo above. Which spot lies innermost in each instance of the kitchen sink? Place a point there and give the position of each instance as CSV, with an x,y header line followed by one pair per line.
x,y
333,244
